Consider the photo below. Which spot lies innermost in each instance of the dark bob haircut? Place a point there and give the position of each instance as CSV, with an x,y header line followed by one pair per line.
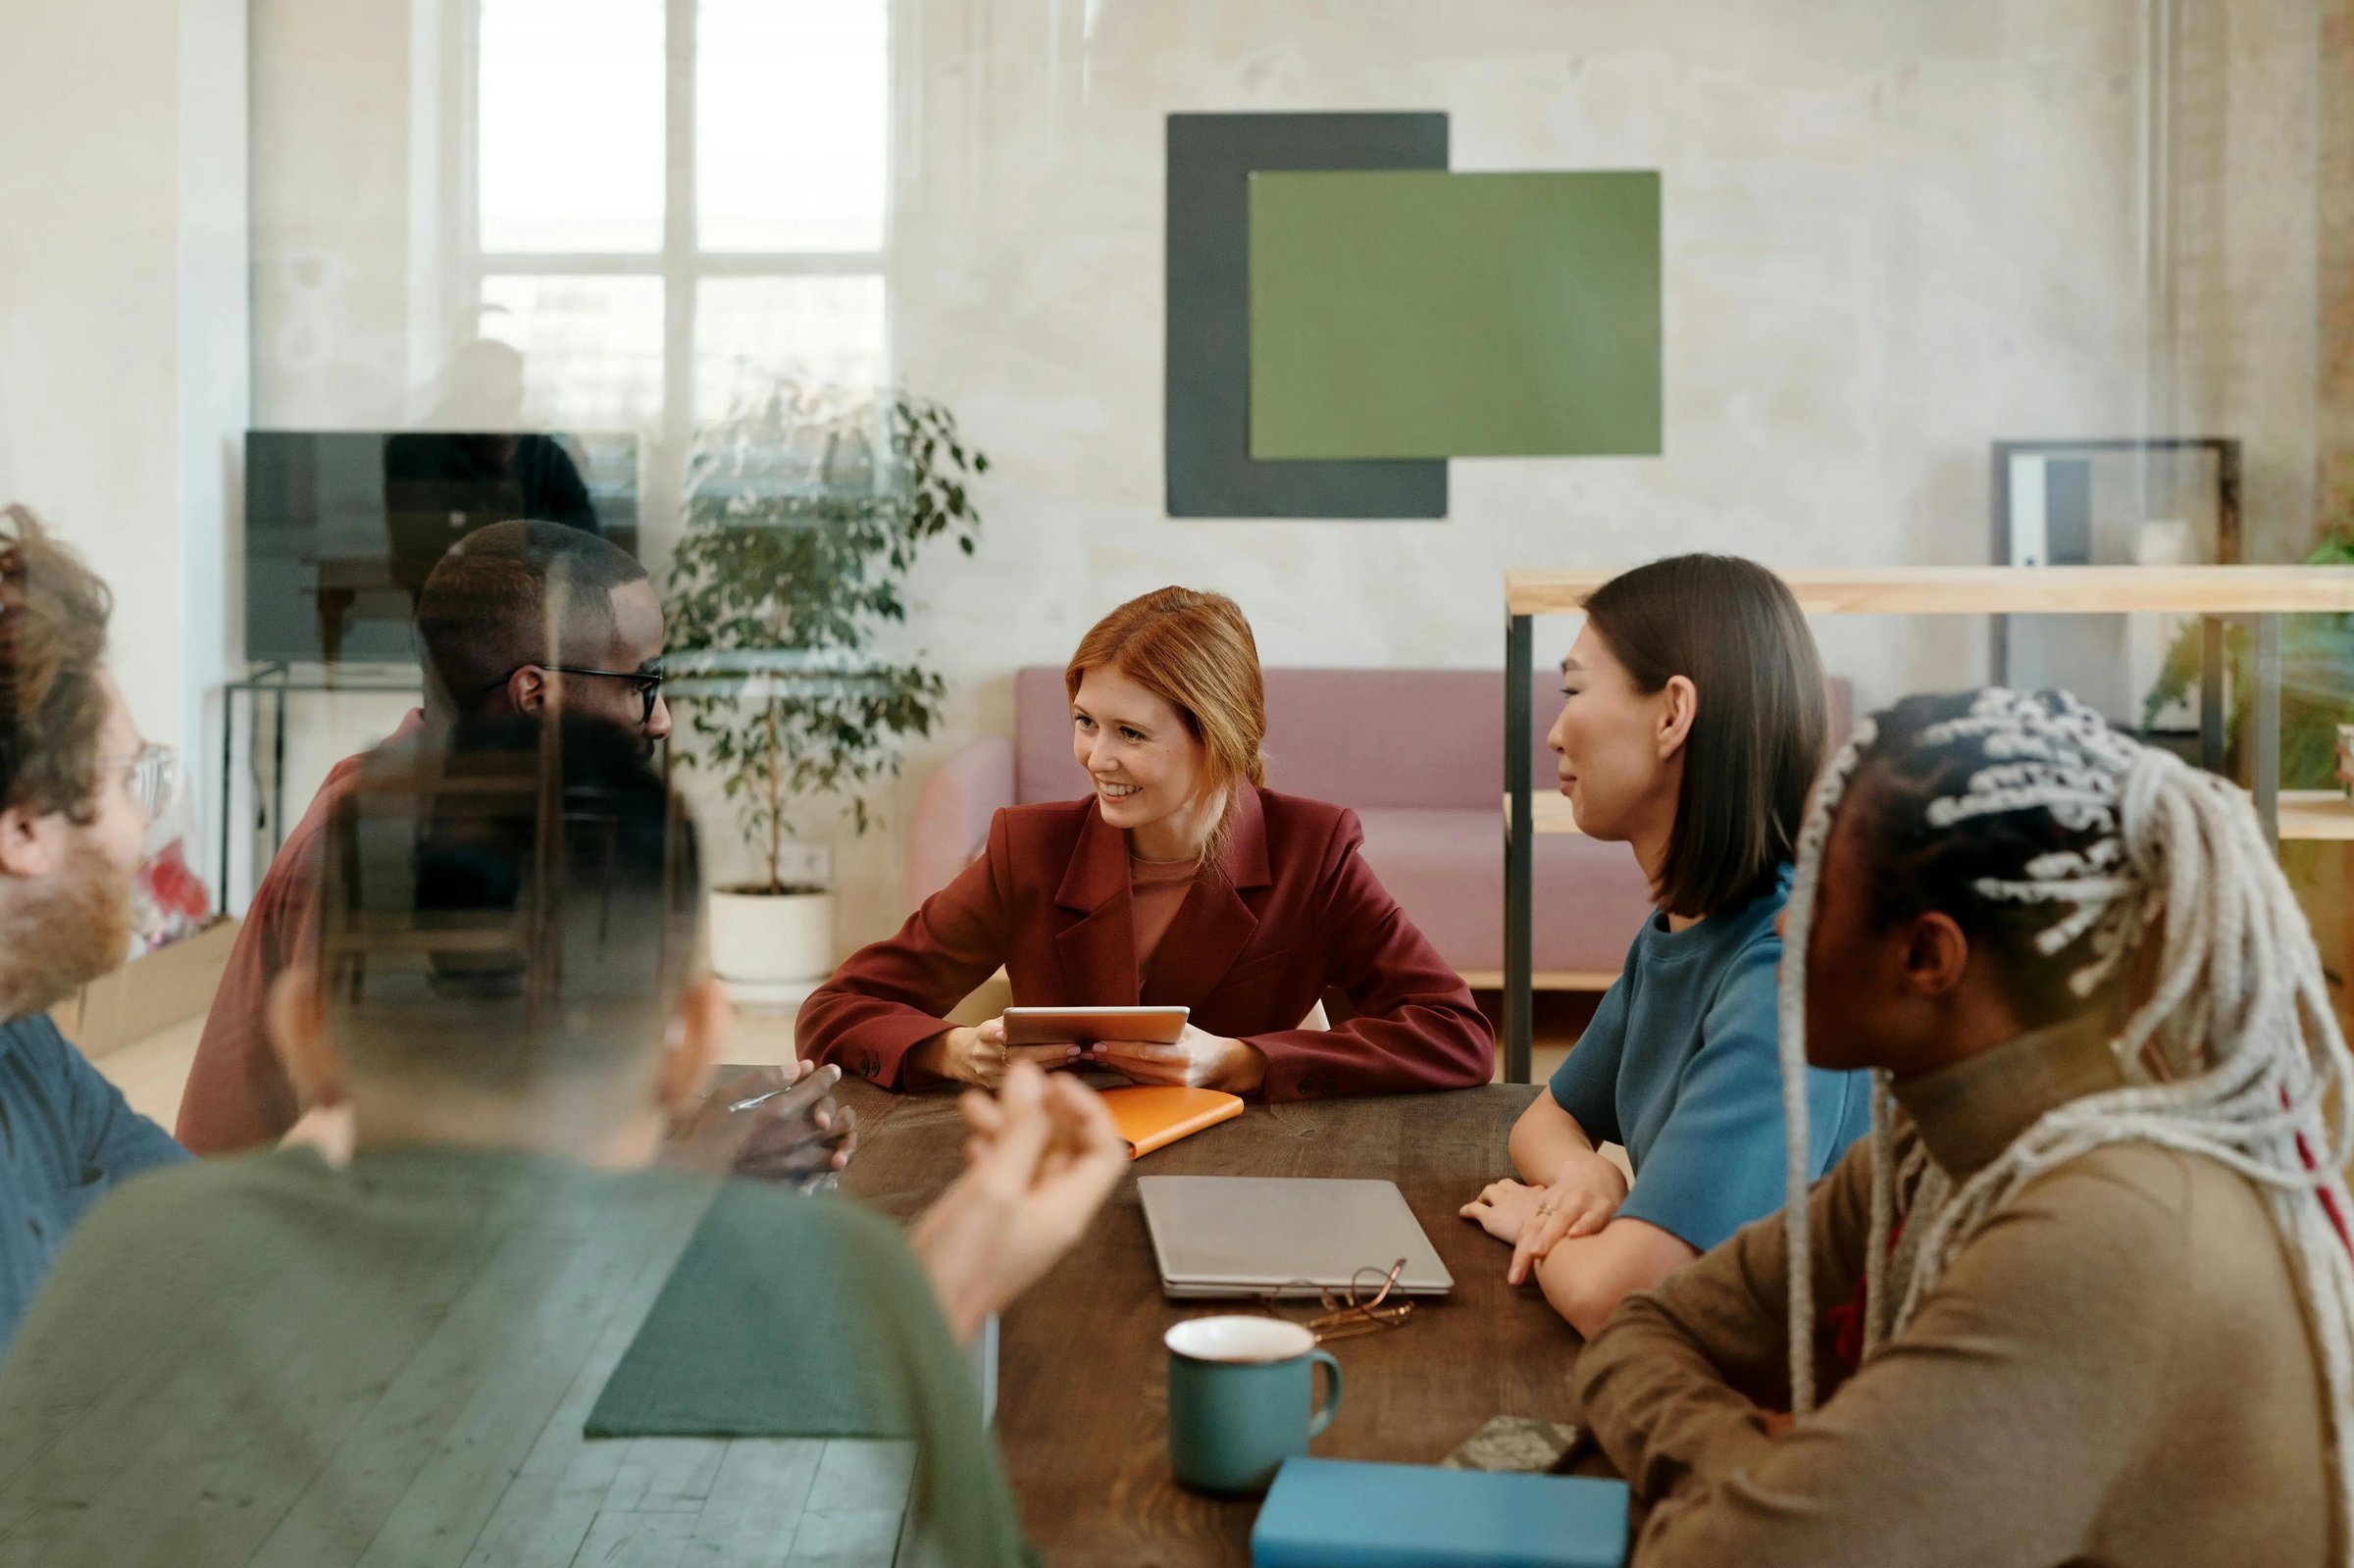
x,y
1762,730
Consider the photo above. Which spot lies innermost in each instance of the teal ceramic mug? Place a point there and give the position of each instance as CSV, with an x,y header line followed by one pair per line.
x,y
1240,1399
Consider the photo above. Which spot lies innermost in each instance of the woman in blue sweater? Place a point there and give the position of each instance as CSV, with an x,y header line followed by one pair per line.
x,y
1693,721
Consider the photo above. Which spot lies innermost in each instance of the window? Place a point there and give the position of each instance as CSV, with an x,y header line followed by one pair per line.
x,y
791,96
678,202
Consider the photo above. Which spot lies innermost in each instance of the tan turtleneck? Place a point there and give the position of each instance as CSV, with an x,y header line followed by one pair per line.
x,y
1157,890
2117,1368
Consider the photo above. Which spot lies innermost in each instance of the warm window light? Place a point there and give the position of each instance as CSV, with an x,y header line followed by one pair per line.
x,y
788,159
792,124
570,126
820,331
591,347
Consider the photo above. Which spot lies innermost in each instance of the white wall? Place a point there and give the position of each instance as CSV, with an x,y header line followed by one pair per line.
x,y
1896,231
2245,297
123,290
338,147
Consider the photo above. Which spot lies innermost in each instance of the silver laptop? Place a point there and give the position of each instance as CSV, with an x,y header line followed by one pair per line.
x,y
1252,1235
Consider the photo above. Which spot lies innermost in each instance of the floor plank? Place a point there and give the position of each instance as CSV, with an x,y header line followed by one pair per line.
x,y
151,1073
756,1503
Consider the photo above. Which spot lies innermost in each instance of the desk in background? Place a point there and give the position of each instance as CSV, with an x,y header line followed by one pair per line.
x,y
277,680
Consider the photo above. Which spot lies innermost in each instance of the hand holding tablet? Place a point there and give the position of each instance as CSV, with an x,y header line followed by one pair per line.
x,y
1047,1038
1144,1045
1090,1025
1140,1043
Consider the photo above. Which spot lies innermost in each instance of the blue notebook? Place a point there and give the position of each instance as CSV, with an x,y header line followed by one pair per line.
x,y
1336,1513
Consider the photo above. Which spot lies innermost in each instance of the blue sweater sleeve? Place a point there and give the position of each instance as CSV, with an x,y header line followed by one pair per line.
x,y
1586,1084
111,1139
1717,1162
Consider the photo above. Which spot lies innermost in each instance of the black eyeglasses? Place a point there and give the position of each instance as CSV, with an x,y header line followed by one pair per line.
x,y
647,682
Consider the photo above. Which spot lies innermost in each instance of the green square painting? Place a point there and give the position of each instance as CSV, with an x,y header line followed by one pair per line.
x,y
1417,314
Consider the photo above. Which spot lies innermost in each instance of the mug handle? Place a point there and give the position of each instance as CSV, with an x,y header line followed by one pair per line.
x,y
1332,1394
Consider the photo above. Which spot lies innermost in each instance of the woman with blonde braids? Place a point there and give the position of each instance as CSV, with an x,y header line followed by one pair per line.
x,y
2085,1294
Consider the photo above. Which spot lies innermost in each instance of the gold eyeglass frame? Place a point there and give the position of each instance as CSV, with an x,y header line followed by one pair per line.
x,y
1346,1316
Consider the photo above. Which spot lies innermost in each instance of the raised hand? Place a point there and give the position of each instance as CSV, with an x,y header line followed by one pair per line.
x,y
1041,1157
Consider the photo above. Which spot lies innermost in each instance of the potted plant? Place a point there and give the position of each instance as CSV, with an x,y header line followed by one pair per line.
x,y
805,511
2317,695
2317,682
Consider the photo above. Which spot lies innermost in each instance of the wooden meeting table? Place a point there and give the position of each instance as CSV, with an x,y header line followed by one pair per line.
x,y
1082,1379
490,1468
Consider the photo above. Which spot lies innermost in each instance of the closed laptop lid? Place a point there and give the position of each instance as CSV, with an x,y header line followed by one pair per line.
x,y
1234,1236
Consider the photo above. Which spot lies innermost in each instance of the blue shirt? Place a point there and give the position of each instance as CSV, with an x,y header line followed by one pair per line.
x,y
66,1137
1682,1065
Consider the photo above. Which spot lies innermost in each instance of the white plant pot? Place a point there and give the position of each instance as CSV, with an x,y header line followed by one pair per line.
x,y
767,944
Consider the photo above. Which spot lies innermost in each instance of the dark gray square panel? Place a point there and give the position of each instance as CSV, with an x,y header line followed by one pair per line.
x,y
1207,433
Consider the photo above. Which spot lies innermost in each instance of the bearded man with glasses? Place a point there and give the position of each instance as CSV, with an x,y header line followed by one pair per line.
x,y
79,790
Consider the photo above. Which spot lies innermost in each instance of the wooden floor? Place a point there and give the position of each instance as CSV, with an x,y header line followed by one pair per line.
x,y
151,1072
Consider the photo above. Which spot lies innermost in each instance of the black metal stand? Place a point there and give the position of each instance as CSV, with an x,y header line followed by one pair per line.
x,y
1519,849
275,680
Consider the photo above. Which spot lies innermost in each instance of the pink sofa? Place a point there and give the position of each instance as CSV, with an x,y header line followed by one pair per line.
x,y
1417,753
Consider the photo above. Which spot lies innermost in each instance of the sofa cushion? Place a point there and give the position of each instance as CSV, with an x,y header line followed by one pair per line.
x,y
1044,768
1366,738
1446,869
1419,755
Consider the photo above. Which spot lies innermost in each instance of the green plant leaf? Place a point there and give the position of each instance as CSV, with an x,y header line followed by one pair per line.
x,y
806,508
2317,684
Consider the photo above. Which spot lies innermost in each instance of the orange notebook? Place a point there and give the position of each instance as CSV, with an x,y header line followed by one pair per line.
x,y
1152,1116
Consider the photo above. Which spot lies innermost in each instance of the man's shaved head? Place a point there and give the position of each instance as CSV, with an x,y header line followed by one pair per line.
x,y
514,595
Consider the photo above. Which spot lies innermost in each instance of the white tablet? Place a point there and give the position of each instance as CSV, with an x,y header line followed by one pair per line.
x,y
1085,1026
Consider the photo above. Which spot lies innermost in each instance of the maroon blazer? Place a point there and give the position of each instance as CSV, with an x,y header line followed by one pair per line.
x,y
1297,911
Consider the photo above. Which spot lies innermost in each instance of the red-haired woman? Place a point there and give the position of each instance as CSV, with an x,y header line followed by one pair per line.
x,y
1182,879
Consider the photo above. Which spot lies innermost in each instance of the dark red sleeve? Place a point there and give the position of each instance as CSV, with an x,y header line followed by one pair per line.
x,y
237,1096
1417,1027
888,997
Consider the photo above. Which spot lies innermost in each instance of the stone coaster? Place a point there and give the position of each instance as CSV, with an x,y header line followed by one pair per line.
x,y
1515,1443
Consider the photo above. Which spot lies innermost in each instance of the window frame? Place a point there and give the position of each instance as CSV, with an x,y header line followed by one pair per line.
x,y
681,264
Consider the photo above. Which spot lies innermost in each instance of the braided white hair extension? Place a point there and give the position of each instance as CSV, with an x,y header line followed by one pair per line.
x,y
1799,919
1929,1188
1883,1212
2239,1009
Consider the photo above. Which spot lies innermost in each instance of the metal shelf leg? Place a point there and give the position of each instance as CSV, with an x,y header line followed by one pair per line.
x,y
1519,847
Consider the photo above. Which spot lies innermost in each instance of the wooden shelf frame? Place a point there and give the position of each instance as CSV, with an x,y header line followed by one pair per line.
x,y
2305,815
2217,594
2309,815
2006,589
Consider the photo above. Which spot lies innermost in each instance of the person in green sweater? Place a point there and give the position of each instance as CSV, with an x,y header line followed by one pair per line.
x,y
274,1358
